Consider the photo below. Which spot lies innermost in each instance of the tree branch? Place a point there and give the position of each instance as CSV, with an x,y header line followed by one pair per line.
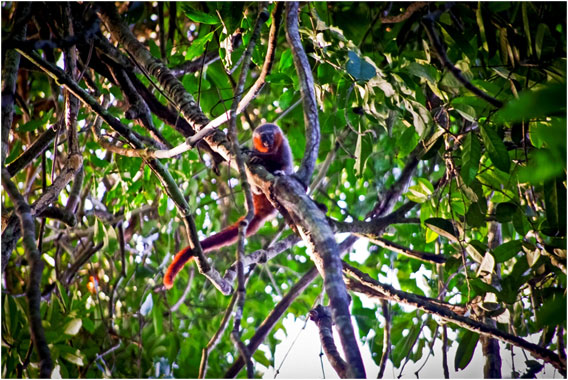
x,y
269,322
322,317
363,283
10,66
306,82
33,292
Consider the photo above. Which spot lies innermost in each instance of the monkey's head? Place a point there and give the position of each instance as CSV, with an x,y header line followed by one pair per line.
x,y
267,138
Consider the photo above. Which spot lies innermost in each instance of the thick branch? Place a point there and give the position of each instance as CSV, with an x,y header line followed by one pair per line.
x,y
322,317
306,82
33,152
11,63
267,325
319,238
33,292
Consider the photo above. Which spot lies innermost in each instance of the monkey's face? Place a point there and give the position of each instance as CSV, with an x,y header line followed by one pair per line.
x,y
267,138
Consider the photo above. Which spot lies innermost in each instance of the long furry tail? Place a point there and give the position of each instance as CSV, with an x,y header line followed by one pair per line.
x,y
225,237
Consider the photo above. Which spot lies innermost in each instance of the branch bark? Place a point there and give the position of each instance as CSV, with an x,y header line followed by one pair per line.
x,y
322,317
33,292
11,63
306,82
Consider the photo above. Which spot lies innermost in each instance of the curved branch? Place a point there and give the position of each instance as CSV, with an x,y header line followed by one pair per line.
x,y
322,317
312,225
306,82
410,10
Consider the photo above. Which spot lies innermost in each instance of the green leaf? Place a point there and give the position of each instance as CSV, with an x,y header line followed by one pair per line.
x,y
555,204
279,78
466,111
540,31
471,157
427,72
89,325
520,222
261,358
286,60
496,149
420,192
198,46
527,27
74,358
543,165
481,25
157,319
474,216
73,327
442,227
359,68
552,311
504,211
547,101
358,152
507,250
198,16
465,350
404,346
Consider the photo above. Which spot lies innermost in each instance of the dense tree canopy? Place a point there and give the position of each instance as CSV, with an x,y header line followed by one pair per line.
x,y
434,133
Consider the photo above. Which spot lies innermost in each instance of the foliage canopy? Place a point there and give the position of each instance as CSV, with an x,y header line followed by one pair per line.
x,y
450,116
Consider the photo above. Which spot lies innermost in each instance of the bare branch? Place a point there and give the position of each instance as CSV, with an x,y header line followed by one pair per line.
x,y
322,317
386,338
33,292
394,247
306,82
243,225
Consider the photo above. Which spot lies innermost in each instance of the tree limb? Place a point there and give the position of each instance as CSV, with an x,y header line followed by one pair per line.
x,y
33,292
322,317
364,283
306,82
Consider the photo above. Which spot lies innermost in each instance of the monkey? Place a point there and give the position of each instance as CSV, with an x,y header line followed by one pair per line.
x,y
270,148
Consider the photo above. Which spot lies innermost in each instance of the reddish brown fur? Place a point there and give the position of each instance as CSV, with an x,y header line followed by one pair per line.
x,y
275,157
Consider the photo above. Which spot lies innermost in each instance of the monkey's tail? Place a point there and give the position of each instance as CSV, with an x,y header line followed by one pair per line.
x,y
226,237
